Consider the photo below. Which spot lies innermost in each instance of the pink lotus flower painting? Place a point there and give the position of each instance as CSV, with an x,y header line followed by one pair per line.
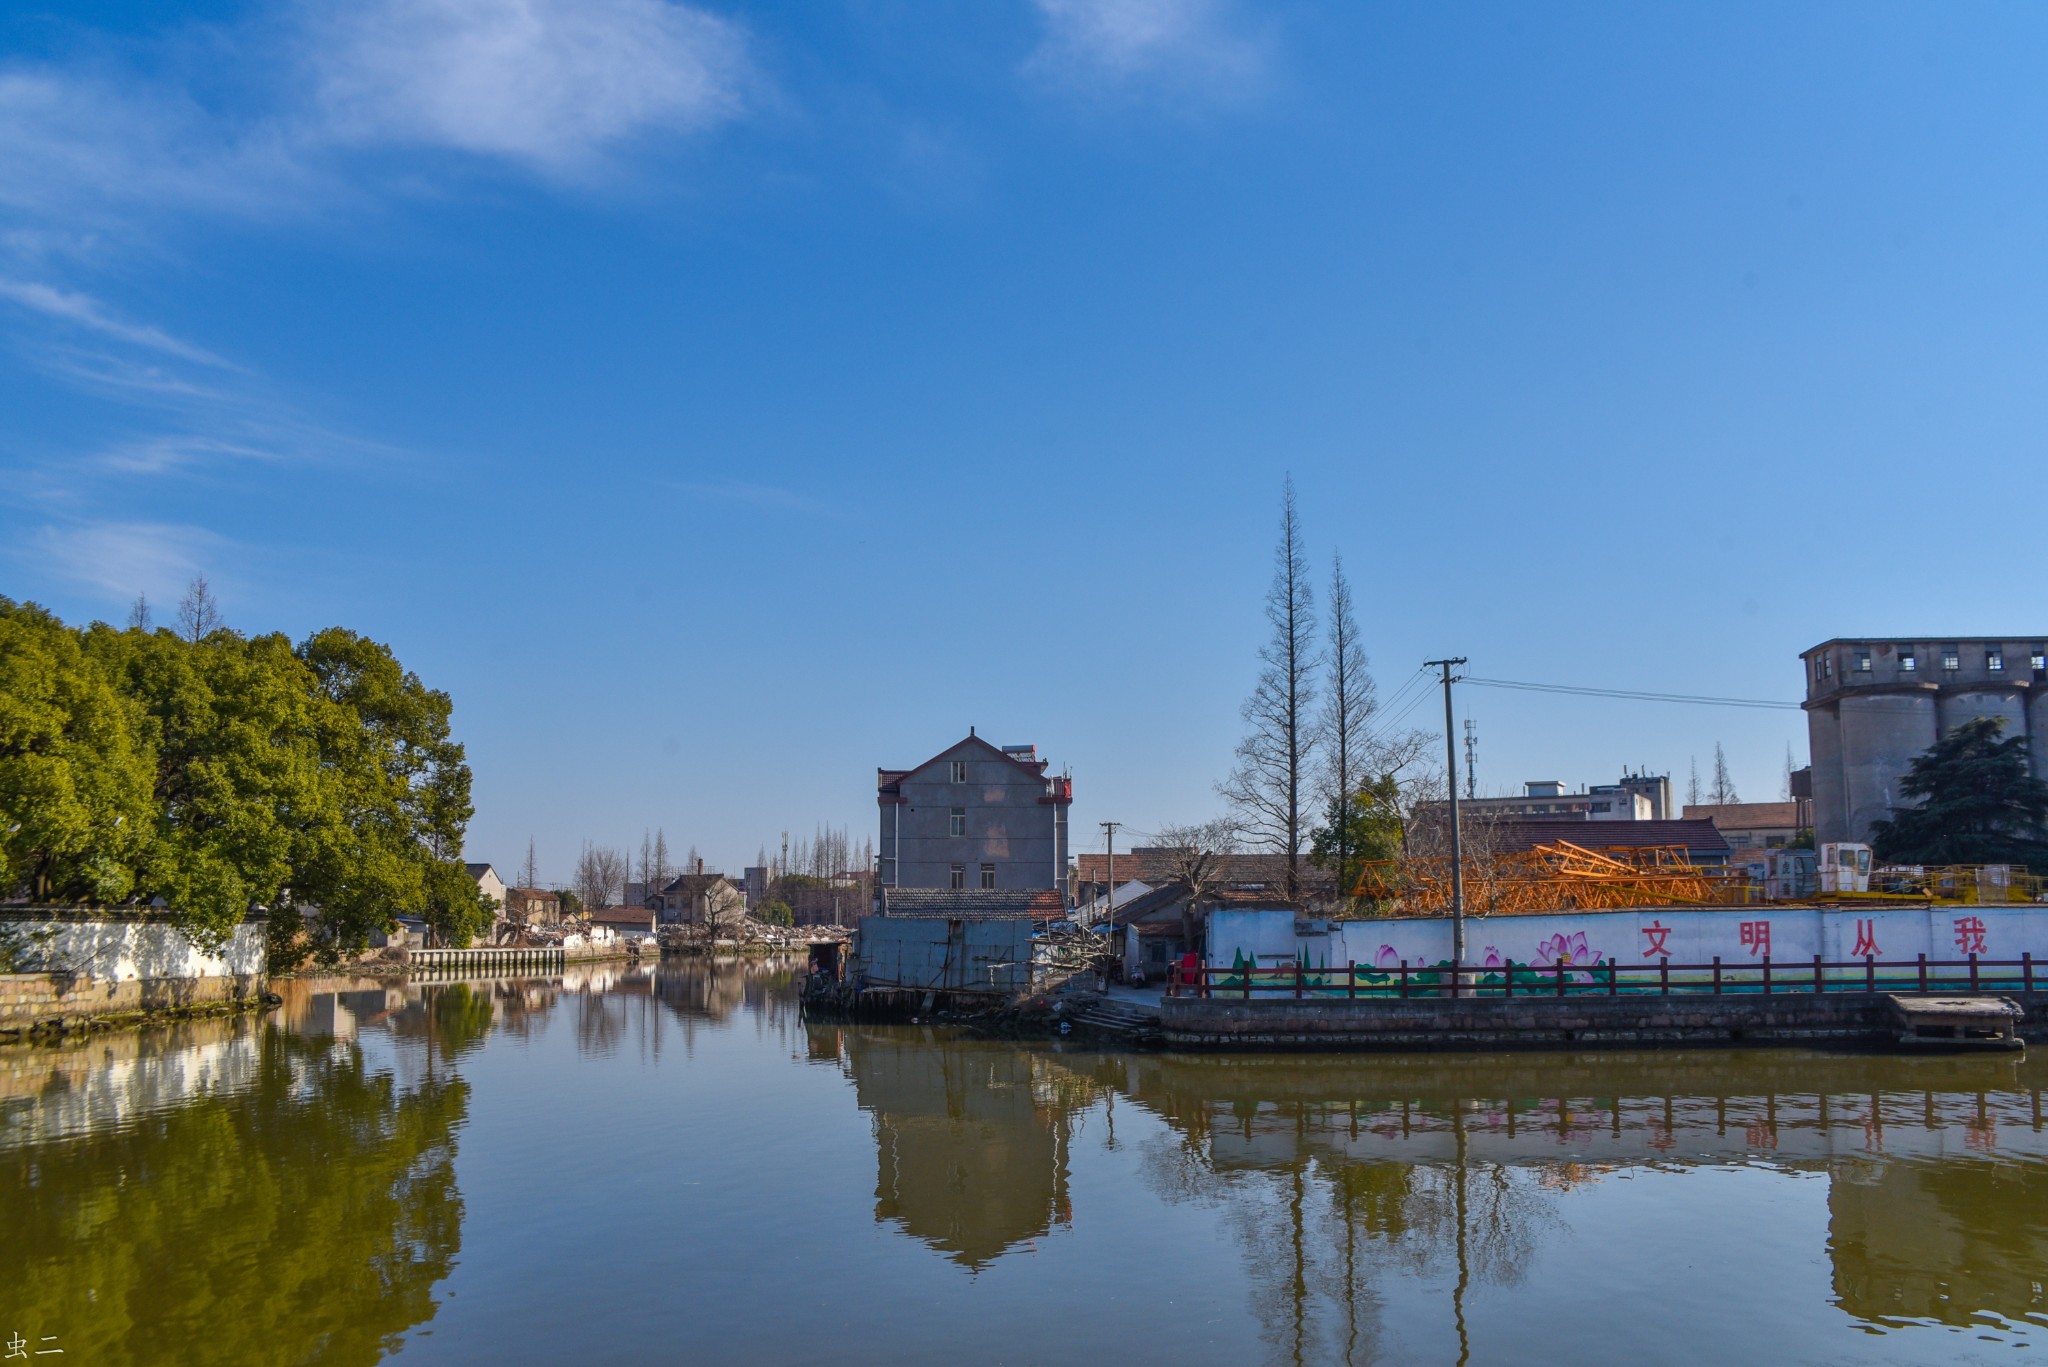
x,y
1571,950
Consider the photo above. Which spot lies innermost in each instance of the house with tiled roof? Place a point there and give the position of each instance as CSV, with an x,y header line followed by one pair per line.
x,y
974,816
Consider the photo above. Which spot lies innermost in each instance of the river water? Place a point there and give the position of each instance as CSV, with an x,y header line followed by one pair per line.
x,y
627,1166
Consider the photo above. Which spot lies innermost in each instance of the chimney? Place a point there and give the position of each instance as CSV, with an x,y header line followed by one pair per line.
x,y
700,865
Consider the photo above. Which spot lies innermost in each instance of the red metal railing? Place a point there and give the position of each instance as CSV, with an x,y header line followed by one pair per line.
x,y
1564,979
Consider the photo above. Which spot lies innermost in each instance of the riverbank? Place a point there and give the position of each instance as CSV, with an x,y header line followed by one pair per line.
x,y
37,1006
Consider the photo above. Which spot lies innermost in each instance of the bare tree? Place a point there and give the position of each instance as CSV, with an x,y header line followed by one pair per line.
x,y
1785,784
600,875
198,611
1267,788
660,871
529,872
138,613
1348,704
1198,857
723,907
1723,790
1692,785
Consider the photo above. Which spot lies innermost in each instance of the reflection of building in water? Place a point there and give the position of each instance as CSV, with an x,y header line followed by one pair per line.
x,y
1948,1240
970,1140
1937,1168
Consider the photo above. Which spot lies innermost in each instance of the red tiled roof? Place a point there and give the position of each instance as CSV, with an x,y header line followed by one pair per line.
x,y
1156,867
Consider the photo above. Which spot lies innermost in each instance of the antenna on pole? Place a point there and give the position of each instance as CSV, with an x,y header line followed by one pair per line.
x,y
1471,761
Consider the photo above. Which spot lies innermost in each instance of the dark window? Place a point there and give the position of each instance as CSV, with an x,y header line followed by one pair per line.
x,y
2040,663
956,825
988,875
1994,660
959,876
1951,659
1907,664
959,771
1862,662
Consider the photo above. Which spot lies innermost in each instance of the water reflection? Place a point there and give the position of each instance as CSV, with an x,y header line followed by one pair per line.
x,y
970,1139
224,1192
1339,1177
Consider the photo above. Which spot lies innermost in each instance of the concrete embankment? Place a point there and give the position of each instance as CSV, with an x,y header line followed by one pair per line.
x,y
1444,1023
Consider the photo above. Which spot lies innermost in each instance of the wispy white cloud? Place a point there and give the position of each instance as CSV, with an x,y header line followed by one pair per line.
x,y
1200,48
122,559
556,87
89,313
552,84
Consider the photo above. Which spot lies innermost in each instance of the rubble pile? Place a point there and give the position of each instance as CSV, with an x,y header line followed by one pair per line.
x,y
748,932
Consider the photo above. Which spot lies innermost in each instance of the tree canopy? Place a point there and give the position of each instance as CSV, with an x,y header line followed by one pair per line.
x,y
1977,804
228,774
1364,829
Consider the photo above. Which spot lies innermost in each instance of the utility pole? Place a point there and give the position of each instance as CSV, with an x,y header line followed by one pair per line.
x,y
1109,917
1471,760
1109,842
1457,847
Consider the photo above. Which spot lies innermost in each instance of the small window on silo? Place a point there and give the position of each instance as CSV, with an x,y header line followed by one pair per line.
x,y
1994,660
1862,662
1951,659
1907,663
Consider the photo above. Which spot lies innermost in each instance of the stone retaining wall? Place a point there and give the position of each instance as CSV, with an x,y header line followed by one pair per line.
x,y
1439,1023
66,1001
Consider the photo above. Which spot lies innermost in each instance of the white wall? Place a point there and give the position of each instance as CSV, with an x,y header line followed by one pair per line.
x,y
116,950
1740,937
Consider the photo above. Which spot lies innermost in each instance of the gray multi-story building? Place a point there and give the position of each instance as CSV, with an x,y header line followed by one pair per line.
x,y
974,815
1873,706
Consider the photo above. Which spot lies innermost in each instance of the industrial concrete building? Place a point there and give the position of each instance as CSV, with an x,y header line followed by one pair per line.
x,y
974,816
1873,706
1637,797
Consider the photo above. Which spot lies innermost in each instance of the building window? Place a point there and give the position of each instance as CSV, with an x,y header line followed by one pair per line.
x,y
956,825
988,875
1951,659
1994,660
2040,663
959,876
1907,664
1862,662
959,771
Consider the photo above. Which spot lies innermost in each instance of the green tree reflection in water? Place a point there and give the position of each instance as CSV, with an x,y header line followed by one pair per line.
x,y
306,1219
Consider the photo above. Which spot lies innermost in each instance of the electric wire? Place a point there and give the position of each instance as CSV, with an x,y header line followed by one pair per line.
x,y
1633,695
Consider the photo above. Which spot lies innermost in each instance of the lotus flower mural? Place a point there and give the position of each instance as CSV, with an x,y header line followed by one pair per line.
x,y
1570,950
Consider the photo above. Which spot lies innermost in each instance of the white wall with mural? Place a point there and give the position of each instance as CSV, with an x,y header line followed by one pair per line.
x,y
1740,937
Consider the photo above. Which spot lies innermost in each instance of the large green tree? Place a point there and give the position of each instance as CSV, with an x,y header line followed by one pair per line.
x,y
1977,804
75,768
228,774
1364,829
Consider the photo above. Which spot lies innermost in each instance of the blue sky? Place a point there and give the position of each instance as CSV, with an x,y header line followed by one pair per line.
x,y
722,400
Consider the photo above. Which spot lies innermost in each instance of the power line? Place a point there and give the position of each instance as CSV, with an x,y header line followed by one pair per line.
x,y
1634,695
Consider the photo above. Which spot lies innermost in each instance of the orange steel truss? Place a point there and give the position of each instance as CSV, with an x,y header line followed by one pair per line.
x,y
1559,876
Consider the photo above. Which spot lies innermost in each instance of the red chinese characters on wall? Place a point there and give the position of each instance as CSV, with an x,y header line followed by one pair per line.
x,y
1756,937
1970,934
1659,936
1866,940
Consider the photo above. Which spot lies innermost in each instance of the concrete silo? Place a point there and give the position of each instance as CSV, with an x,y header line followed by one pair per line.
x,y
1874,706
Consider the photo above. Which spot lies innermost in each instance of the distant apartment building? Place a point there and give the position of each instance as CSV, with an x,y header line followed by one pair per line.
x,y
1637,797
1873,706
974,816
